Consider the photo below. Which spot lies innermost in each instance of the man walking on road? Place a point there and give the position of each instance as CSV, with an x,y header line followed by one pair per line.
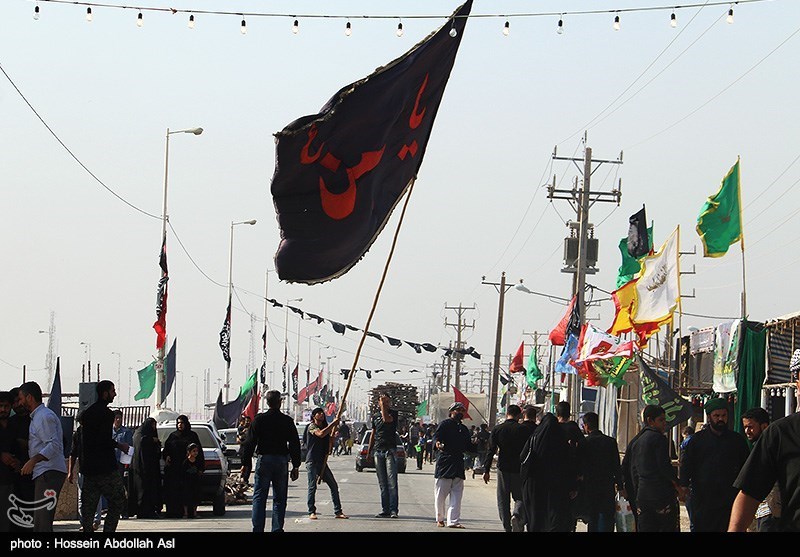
x,y
384,441
46,463
601,474
650,483
98,461
453,440
508,437
273,437
709,466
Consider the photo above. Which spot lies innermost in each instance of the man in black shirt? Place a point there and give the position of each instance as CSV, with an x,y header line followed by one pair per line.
x,y
709,465
508,437
98,460
9,465
650,483
775,458
384,441
273,436
601,474
453,440
574,438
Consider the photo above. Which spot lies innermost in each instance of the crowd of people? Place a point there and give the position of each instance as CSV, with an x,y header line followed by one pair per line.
x,y
117,469
551,472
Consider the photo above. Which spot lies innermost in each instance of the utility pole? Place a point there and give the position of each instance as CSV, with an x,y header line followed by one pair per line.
x,y
581,201
459,326
502,288
449,364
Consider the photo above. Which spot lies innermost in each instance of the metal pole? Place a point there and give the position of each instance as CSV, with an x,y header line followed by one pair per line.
x,y
160,356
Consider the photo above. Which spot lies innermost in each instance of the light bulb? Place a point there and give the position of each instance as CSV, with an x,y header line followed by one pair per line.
x,y
560,29
729,19
673,21
36,12
399,31
139,20
191,21
348,29
243,27
507,29
616,23
453,32
296,27
89,14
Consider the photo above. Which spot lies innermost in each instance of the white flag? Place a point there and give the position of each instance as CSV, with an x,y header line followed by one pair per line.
x,y
599,345
658,288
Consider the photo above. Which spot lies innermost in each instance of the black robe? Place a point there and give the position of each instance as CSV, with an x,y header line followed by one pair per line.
x,y
146,471
175,450
548,476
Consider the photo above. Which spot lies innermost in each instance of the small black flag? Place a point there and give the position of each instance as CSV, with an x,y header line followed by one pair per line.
x,y
638,242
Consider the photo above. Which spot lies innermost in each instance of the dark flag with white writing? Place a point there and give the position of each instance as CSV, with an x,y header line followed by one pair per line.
x,y
225,336
160,325
656,391
340,173
294,382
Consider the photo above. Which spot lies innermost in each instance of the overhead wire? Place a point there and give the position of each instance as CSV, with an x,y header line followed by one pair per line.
x,y
720,93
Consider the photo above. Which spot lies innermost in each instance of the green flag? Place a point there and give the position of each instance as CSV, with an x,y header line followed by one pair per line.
x,y
532,371
720,222
147,381
422,409
630,265
248,386
612,370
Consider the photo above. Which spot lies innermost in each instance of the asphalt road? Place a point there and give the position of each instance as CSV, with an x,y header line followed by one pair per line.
x,y
360,500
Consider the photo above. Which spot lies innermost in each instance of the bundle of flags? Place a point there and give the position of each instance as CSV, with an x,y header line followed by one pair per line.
x,y
147,376
226,415
310,390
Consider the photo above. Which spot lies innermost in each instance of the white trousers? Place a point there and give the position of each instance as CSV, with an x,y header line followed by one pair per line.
x,y
442,488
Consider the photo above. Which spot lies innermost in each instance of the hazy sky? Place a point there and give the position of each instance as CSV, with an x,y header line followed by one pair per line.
x,y
681,103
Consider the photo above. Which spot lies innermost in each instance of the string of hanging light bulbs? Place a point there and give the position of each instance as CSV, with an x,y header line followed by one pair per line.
x,y
348,30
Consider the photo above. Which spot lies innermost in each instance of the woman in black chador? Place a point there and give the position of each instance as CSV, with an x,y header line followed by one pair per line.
x,y
174,454
146,470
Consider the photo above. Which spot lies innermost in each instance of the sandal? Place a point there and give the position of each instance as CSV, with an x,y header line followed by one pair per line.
x,y
440,523
312,516
341,515
456,525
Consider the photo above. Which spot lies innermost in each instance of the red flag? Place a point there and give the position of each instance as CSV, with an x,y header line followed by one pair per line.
x,y
463,400
252,406
570,323
516,362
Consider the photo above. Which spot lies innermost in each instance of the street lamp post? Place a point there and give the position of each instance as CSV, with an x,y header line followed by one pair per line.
x,y
160,358
286,346
119,368
196,404
87,352
502,288
230,292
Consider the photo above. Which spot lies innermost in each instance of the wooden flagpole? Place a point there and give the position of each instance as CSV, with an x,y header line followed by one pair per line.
x,y
366,327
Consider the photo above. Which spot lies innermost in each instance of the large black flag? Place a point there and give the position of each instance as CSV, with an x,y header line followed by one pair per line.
x,y
225,336
227,415
656,391
54,400
638,241
169,371
340,173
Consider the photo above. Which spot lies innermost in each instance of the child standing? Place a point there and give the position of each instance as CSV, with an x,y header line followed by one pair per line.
x,y
191,480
